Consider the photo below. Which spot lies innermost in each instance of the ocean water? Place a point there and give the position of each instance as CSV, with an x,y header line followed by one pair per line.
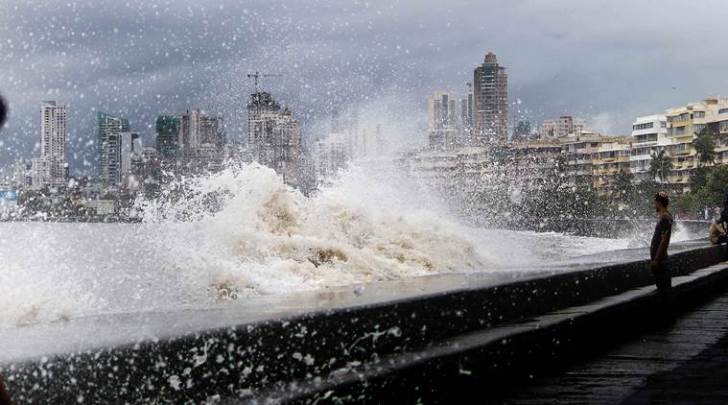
x,y
262,237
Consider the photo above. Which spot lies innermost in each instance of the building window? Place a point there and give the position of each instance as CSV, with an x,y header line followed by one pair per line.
x,y
638,127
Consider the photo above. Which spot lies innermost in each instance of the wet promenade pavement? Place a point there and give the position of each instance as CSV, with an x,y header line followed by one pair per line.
x,y
685,362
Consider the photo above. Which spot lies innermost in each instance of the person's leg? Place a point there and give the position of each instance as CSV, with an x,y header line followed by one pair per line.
x,y
663,281
721,241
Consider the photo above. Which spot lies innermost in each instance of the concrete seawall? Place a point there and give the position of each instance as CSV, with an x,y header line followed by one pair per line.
x,y
612,228
302,357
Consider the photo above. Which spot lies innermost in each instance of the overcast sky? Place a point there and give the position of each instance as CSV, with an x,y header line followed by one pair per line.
x,y
607,61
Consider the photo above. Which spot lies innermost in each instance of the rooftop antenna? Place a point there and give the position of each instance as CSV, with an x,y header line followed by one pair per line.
x,y
257,75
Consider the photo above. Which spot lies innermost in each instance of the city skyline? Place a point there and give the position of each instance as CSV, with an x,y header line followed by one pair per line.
x,y
559,63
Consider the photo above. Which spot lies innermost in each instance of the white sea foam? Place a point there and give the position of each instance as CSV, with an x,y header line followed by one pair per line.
x,y
243,232
354,230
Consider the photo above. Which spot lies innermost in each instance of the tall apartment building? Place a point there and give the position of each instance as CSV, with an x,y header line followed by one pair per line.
x,y
274,137
579,151
442,119
561,127
167,127
147,170
466,112
201,141
719,126
490,102
50,169
330,155
649,136
611,158
130,150
683,123
108,133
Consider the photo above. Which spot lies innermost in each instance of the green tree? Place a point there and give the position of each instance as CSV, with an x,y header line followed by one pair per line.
x,y
704,144
716,185
623,186
660,166
699,177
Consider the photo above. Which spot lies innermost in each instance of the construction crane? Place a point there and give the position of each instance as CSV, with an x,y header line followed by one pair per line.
x,y
257,75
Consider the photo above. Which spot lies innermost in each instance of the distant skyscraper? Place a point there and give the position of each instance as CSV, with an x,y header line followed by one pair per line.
x,y
274,137
466,112
131,149
167,127
108,130
201,140
442,119
147,170
50,169
490,104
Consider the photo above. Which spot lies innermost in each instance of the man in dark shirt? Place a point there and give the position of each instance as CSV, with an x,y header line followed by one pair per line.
x,y
659,245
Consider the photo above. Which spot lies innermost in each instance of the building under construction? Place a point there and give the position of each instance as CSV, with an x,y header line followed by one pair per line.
x,y
274,138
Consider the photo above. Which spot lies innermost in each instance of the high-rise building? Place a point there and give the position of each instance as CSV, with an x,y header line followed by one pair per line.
x,y
131,152
109,129
330,155
490,103
466,112
442,119
201,142
274,137
50,169
167,127
147,170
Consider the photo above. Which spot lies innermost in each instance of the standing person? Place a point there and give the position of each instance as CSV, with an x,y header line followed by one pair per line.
x,y
717,233
723,220
724,214
658,247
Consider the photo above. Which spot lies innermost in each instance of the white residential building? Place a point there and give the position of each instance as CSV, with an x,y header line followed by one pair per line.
x,y
649,136
50,168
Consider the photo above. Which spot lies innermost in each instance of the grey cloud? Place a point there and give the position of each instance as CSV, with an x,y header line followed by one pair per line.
x,y
608,60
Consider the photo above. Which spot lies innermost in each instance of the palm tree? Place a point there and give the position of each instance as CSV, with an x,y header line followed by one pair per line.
x,y
660,165
704,144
